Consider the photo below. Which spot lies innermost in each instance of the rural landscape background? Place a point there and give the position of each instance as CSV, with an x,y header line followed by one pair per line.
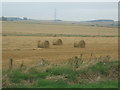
x,y
27,63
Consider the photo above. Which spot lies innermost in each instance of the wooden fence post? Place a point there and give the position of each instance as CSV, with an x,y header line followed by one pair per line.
x,y
10,63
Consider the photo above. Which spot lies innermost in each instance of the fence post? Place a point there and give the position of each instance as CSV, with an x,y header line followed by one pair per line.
x,y
21,65
42,62
10,63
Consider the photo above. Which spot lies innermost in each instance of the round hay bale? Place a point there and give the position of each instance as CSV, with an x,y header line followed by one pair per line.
x,y
57,42
43,44
38,44
80,44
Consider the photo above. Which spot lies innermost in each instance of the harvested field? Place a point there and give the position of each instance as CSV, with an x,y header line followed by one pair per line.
x,y
29,28
20,49
34,65
24,48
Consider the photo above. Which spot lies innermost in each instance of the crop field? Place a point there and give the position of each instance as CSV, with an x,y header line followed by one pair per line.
x,y
24,48
33,28
20,39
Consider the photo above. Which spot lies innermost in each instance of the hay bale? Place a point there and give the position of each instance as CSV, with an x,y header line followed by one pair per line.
x,y
57,42
80,44
43,44
38,44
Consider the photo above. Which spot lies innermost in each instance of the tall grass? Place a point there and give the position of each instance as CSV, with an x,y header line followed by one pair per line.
x,y
65,76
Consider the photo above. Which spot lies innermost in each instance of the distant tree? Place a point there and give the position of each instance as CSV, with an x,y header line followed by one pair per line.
x,y
4,18
25,18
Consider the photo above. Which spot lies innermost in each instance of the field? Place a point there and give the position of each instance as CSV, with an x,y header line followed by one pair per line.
x,y
20,43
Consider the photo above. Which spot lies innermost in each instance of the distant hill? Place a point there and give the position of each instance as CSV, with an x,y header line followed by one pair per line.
x,y
98,23
101,23
101,20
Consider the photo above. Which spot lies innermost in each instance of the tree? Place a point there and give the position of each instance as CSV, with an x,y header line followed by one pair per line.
x,y
4,18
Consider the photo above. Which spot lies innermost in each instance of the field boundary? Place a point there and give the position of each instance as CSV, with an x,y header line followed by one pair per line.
x,y
57,35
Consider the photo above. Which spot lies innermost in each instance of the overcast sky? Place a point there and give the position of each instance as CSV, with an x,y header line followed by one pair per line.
x,y
68,11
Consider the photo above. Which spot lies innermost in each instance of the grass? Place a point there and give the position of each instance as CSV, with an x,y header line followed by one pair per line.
x,y
50,84
101,84
67,71
101,67
61,84
34,78
59,70
17,75
59,35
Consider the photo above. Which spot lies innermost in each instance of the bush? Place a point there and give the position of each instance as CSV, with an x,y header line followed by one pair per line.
x,y
59,70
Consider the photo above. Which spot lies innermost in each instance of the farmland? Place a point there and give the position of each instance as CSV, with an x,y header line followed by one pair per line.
x,y
24,48
20,39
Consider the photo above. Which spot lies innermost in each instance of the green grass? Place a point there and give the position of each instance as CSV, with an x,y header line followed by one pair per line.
x,y
20,85
16,76
42,83
101,84
67,71
103,68
70,79
59,70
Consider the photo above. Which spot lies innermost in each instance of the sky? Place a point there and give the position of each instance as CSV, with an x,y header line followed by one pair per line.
x,y
67,11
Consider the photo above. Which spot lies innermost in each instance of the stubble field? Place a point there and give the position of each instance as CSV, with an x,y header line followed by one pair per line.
x,y
20,43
